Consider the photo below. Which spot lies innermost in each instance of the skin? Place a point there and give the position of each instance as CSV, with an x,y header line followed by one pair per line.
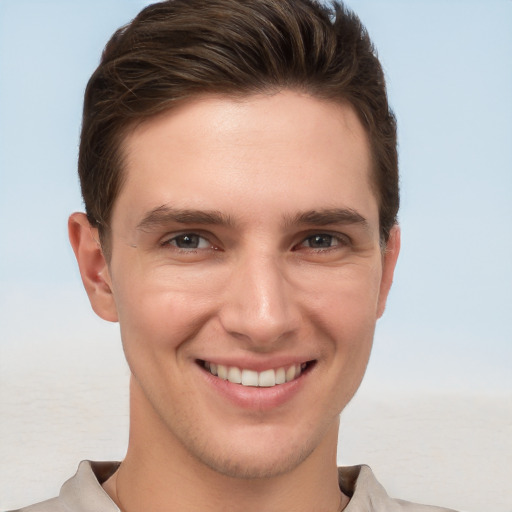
x,y
258,281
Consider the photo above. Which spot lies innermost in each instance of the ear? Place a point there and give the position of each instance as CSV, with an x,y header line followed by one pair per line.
x,y
93,266
389,259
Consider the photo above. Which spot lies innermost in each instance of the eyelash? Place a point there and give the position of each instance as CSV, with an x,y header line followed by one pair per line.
x,y
201,238
339,239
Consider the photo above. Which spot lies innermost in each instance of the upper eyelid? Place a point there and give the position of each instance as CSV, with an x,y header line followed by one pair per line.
x,y
175,234
185,254
334,234
165,240
344,241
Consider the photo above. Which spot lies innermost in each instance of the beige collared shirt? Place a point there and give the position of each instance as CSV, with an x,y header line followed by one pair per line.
x,y
84,493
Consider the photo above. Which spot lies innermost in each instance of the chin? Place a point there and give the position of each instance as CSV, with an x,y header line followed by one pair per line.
x,y
255,466
267,453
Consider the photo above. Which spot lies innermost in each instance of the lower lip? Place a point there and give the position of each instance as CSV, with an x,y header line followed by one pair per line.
x,y
252,397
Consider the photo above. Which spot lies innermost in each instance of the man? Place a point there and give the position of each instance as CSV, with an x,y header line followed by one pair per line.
x,y
239,171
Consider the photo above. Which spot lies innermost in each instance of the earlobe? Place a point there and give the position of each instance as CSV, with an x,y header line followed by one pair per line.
x,y
93,266
389,258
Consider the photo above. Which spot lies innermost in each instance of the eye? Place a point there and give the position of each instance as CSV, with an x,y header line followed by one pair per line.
x,y
322,241
189,241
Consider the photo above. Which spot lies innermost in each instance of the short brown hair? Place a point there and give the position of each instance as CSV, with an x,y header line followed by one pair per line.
x,y
181,48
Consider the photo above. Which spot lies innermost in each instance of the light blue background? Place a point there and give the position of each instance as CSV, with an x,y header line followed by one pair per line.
x,y
448,63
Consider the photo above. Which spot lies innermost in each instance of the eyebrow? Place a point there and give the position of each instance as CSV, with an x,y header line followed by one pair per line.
x,y
165,214
328,216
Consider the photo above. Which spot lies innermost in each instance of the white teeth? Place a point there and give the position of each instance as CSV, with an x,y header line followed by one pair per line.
x,y
249,378
290,373
222,371
280,376
264,379
235,375
267,379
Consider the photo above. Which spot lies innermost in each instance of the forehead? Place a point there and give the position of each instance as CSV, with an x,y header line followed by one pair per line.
x,y
285,151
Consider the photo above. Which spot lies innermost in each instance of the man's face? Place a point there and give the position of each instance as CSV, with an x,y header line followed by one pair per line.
x,y
245,246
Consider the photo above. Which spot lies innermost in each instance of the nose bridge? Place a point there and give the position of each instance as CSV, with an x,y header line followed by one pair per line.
x,y
258,304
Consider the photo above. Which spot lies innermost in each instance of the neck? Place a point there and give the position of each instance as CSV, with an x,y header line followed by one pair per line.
x,y
160,475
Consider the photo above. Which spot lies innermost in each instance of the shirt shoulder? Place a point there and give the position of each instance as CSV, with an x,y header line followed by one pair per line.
x,y
407,506
367,494
81,493
53,505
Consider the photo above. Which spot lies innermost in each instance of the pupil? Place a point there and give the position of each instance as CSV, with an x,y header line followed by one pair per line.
x,y
321,241
187,241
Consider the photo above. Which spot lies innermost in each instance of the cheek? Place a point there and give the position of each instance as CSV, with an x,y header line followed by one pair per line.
x,y
347,302
158,314
161,309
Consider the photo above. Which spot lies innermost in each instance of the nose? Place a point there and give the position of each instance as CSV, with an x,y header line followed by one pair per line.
x,y
259,305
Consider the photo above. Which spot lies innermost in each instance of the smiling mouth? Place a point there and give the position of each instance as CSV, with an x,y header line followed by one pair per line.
x,y
265,379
